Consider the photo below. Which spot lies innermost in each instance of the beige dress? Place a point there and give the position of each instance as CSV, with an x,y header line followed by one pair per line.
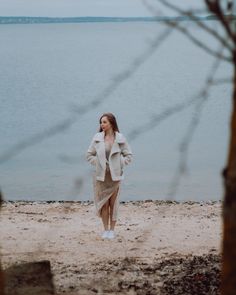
x,y
103,190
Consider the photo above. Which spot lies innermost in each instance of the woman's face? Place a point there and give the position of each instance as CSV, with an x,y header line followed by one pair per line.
x,y
105,124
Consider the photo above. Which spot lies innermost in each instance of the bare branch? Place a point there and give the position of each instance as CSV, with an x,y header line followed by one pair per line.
x,y
82,110
222,81
214,33
190,36
117,81
198,100
126,74
36,138
157,119
200,43
214,6
184,146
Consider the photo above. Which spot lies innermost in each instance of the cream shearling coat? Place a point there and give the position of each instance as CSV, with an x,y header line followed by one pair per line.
x,y
120,156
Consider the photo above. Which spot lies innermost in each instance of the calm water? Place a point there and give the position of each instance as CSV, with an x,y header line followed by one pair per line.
x,y
47,70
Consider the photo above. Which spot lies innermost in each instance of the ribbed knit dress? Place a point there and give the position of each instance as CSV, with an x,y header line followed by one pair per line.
x,y
103,190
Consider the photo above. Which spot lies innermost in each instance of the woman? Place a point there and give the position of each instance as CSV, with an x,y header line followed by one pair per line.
x,y
109,152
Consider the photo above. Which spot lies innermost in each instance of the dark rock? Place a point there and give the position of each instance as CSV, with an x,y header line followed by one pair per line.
x,y
29,278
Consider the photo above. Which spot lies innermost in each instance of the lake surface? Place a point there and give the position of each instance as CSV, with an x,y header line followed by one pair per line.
x,y
48,71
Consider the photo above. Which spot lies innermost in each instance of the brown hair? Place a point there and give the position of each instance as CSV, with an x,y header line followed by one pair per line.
x,y
112,119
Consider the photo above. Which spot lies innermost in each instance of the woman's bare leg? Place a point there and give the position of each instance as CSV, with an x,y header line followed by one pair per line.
x,y
105,215
111,204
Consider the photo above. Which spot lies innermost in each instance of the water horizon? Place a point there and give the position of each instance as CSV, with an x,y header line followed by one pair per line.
x,y
92,19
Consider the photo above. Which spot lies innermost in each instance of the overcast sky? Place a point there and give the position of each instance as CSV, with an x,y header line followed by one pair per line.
x,y
87,7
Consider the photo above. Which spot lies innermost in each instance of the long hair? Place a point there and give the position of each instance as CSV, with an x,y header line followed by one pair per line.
x,y
112,119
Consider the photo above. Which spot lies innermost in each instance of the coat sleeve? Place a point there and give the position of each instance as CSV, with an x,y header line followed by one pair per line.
x,y
91,153
126,153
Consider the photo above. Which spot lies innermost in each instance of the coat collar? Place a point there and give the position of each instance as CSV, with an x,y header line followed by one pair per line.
x,y
119,138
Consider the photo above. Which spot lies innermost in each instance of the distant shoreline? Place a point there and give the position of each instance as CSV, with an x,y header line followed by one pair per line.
x,y
89,19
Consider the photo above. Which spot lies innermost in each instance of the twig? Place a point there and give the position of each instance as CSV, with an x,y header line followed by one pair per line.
x,y
214,6
184,146
82,110
192,38
214,33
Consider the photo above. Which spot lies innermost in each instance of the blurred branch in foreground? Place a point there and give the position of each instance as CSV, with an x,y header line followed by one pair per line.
x,y
187,33
222,39
78,111
229,173
184,146
197,101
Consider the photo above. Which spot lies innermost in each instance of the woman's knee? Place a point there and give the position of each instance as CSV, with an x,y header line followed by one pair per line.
x,y
105,207
113,199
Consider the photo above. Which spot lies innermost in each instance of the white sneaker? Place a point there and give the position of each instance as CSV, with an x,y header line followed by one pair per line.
x,y
111,234
105,234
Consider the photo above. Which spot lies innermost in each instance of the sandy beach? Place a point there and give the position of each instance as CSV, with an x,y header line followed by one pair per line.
x,y
147,234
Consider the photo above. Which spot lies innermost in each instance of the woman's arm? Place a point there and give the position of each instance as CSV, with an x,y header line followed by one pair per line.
x,y
91,154
126,153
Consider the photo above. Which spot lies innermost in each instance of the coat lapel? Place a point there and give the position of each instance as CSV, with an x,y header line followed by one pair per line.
x,y
101,147
101,154
115,148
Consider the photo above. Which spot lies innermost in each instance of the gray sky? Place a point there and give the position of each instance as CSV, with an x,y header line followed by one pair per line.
x,y
86,7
